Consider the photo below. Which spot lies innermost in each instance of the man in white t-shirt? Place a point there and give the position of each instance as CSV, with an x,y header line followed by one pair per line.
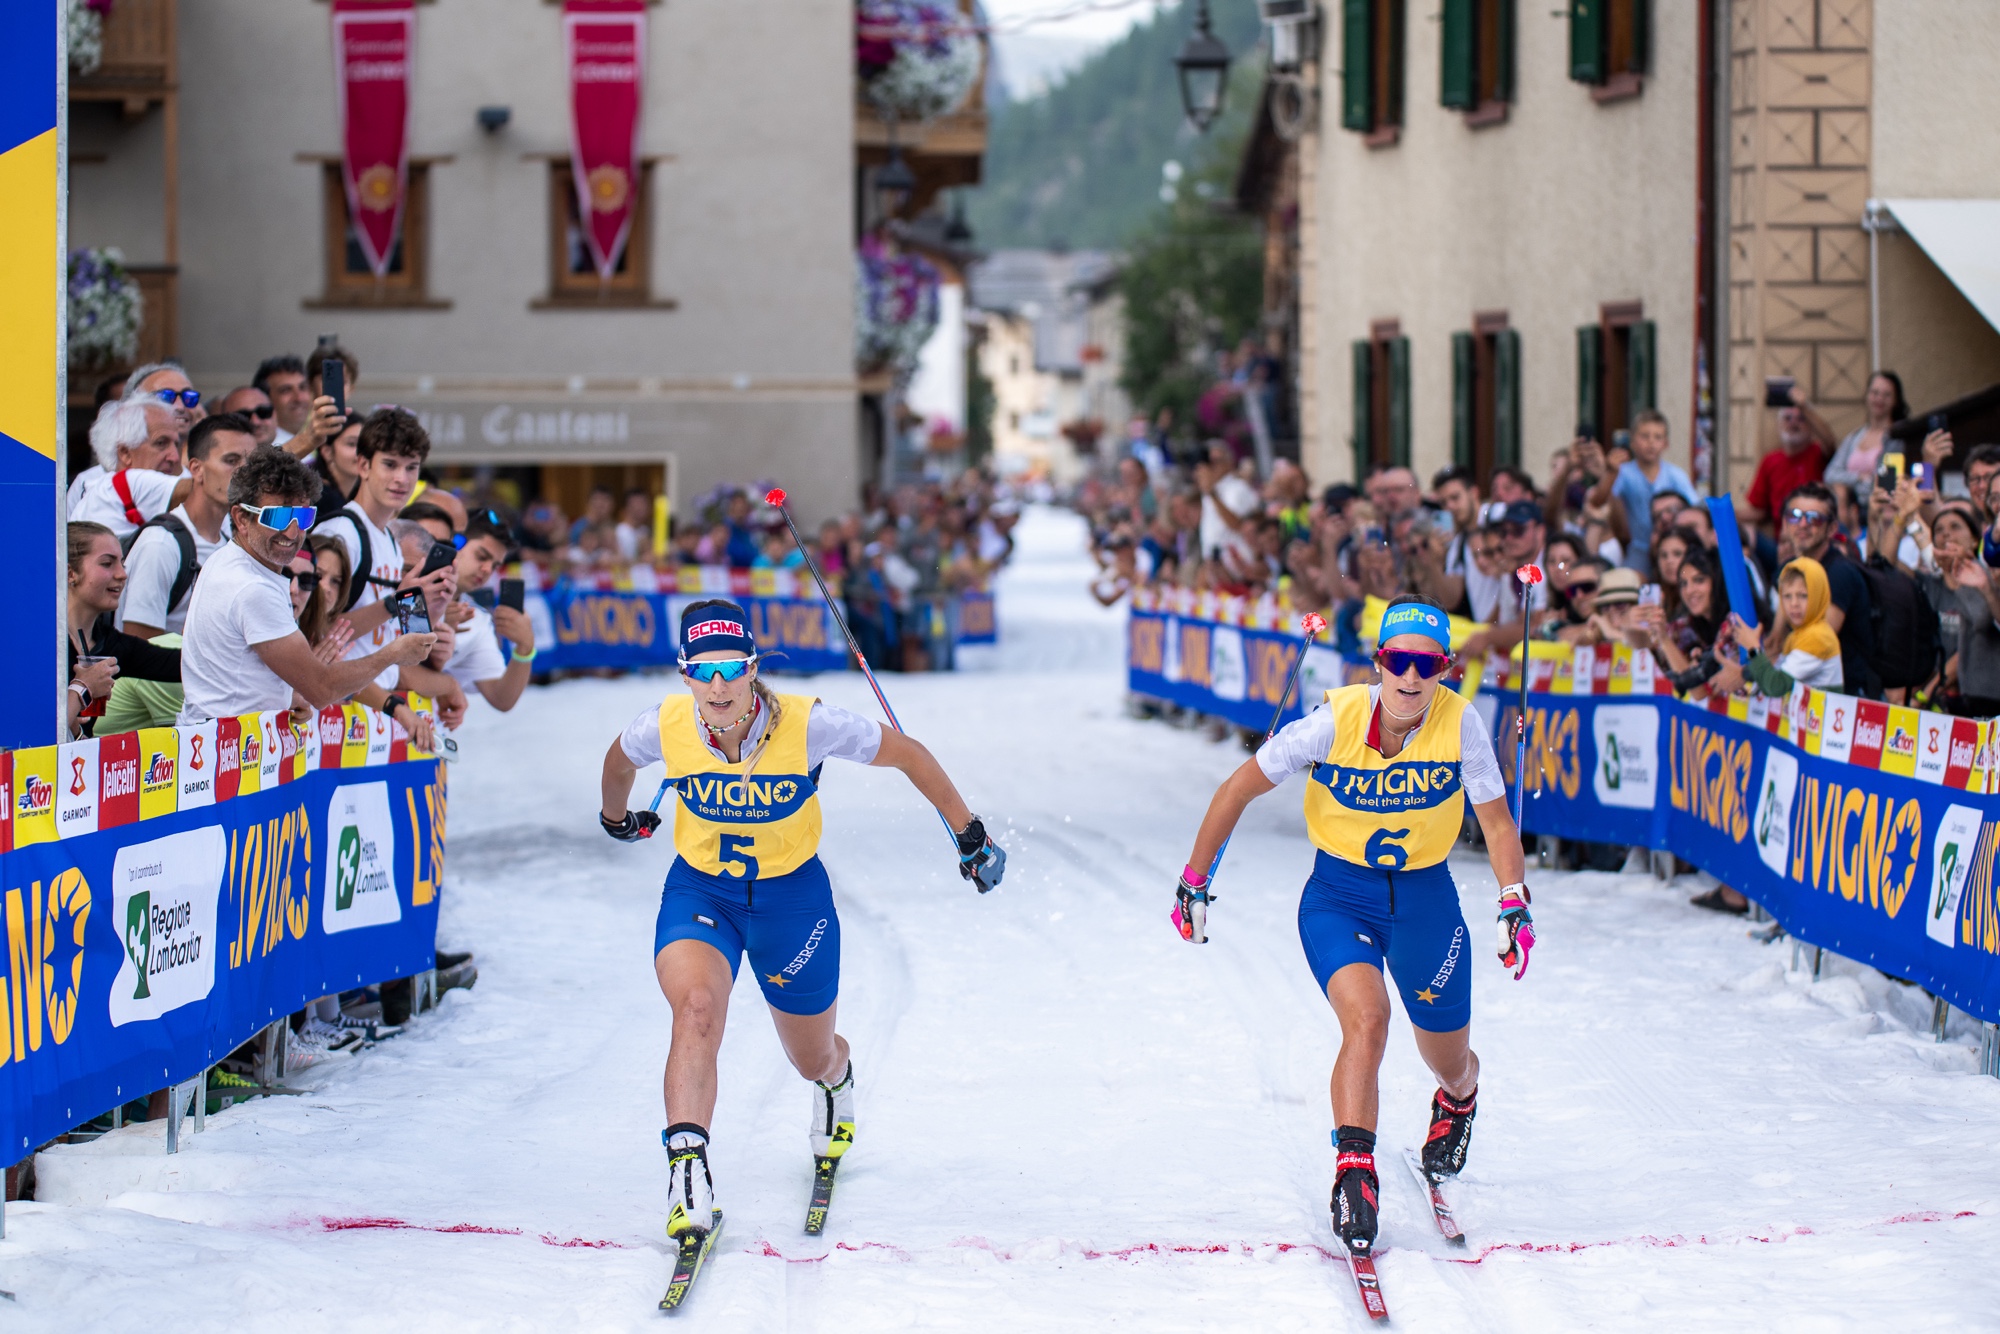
x,y
1226,501
138,472
169,551
390,451
241,650
476,660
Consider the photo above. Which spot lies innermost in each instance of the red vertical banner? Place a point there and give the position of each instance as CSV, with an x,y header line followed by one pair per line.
x,y
373,41
605,44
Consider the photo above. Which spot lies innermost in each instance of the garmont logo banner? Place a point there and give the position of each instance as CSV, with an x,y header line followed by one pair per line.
x,y
130,956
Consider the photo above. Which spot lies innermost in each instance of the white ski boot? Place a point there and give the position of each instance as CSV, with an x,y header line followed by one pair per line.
x,y
691,1196
832,1129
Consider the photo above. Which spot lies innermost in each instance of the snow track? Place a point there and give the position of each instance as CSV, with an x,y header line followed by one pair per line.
x,y
1068,1119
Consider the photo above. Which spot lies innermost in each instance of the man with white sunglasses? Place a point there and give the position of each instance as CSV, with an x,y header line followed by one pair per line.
x,y
242,651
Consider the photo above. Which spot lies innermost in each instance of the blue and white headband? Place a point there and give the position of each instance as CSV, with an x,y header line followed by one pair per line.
x,y
1414,618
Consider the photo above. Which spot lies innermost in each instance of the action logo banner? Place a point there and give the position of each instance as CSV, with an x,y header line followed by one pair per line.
x,y
373,43
605,44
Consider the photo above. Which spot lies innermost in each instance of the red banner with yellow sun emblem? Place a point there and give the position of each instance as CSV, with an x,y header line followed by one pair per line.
x,y
373,42
606,45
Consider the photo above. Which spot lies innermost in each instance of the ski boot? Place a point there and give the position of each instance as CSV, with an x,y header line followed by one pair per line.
x,y
692,1192
1451,1133
832,1129
1356,1190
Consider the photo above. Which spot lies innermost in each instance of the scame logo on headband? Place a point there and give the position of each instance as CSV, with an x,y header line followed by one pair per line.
x,y
703,629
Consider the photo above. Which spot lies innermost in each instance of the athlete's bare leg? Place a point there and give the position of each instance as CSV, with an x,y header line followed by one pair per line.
x,y
695,979
1451,1059
1360,1001
816,1051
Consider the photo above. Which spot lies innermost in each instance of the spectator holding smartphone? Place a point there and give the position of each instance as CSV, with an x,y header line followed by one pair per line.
x,y
1860,455
242,649
1645,475
98,653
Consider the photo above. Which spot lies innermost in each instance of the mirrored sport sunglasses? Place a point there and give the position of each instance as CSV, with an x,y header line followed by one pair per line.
x,y
1797,515
188,398
729,669
1397,661
280,517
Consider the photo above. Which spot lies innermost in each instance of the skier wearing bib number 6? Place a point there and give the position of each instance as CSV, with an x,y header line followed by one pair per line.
x,y
1393,765
746,764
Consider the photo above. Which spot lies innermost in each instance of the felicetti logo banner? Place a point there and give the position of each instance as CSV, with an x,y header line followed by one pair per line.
x,y
373,44
137,954
605,41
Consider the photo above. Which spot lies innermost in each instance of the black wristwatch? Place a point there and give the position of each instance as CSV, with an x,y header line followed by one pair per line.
x,y
389,705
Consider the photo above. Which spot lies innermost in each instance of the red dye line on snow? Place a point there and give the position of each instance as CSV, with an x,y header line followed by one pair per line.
x,y
404,1225
1765,1238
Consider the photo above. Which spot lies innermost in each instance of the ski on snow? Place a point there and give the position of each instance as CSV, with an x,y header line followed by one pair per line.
x,y
687,1265
1367,1285
1440,1207
822,1197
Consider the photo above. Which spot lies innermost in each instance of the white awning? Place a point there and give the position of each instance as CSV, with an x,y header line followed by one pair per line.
x,y
1962,237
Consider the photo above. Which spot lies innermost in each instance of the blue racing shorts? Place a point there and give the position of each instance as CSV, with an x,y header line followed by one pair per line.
x,y
1362,914
786,922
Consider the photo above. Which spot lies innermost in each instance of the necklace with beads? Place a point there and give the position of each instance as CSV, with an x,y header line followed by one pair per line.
x,y
716,731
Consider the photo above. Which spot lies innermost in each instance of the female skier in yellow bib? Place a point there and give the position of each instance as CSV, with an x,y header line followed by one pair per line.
x,y
1393,765
746,763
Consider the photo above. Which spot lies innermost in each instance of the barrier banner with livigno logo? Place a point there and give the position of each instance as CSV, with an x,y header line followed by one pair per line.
x,y
1865,828
139,954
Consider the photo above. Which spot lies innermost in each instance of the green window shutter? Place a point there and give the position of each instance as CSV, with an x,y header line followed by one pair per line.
x,y
1639,362
1590,379
1503,89
1462,389
1399,401
1458,82
1586,40
1507,398
1641,24
1357,65
1364,427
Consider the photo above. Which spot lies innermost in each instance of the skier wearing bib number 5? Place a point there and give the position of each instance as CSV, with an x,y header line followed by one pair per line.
x,y
1392,766
748,878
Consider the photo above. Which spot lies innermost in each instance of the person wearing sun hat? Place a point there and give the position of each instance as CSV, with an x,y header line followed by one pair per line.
x,y
745,762
1393,765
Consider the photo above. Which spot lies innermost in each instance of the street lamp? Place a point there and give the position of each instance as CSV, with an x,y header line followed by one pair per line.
x,y
894,184
1204,69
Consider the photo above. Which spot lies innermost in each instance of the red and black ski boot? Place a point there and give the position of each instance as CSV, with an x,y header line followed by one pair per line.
x,y
1451,1133
1356,1189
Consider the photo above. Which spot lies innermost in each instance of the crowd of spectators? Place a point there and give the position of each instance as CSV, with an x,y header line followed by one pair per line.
x,y
1870,572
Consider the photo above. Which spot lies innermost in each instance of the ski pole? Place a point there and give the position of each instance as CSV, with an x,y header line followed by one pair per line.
x,y
1313,624
1529,575
775,498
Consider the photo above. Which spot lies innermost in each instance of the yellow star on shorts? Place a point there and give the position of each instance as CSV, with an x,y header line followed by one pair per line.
x,y
776,979
1427,996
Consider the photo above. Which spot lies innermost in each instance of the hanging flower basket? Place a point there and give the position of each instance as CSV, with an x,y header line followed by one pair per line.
x,y
105,310
895,307
916,59
85,21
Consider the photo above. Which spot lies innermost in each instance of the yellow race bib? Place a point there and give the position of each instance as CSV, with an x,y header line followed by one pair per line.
x,y
745,828
1392,814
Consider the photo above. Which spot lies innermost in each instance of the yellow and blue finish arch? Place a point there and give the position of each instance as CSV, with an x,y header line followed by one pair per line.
x,y
31,296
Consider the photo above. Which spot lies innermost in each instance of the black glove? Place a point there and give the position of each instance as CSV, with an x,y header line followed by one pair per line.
x,y
980,859
635,826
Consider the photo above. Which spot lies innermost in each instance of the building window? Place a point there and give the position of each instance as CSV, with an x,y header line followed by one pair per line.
x,y
573,279
1486,396
349,281
1371,99
1381,398
1614,370
1607,46
1477,71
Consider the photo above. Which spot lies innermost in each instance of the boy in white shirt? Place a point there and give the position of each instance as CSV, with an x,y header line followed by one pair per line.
x,y
169,552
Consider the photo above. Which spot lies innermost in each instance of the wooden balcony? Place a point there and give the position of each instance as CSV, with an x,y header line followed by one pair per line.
x,y
140,65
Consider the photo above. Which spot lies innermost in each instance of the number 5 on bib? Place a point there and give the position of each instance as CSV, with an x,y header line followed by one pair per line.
x,y
737,848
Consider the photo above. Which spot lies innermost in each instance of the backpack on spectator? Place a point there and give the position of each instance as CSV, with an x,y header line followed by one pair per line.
x,y
358,579
185,576
1907,644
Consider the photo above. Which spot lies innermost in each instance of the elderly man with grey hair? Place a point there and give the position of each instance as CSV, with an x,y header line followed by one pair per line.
x,y
138,473
167,382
